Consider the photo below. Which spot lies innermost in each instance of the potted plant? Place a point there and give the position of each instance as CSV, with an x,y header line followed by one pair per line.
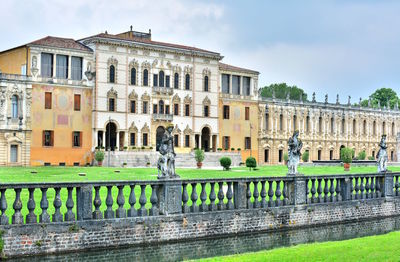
x,y
346,155
124,164
305,156
99,157
219,149
125,148
232,149
239,149
361,155
285,158
199,157
148,164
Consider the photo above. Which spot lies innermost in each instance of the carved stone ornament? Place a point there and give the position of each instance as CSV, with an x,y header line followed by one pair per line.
x,y
34,68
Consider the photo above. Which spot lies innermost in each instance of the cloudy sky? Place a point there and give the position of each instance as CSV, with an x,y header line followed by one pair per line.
x,y
348,47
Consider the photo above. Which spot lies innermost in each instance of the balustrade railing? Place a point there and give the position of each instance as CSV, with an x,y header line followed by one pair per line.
x,y
64,202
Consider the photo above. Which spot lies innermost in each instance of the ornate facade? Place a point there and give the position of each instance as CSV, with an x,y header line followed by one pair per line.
x,y
324,129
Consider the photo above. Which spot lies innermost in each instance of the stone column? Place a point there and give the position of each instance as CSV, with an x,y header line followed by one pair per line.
x,y
298,190
84,202
388,188
239,195
103,141
117,142
54,65
69,67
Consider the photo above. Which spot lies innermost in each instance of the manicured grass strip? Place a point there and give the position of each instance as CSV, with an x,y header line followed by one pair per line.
x,y
374,248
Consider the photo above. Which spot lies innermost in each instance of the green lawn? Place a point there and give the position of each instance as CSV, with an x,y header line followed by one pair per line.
x,y
374,248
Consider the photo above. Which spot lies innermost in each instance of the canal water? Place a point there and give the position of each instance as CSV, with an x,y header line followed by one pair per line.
x,y
230,244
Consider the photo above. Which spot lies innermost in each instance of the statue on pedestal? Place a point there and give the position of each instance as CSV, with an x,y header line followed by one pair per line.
x,y
295,146
382,155
166,162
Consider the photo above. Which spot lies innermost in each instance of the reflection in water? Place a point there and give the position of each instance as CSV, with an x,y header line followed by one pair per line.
x,y
231,244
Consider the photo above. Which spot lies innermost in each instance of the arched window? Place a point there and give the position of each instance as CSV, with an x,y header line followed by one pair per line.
x,y
365,127
187,82
383,128
176,81
343,125
393,132
133,76
332,125
161,106
145,77
320,125
14,106
307,124
294,122
354,127
280,122
206,84
112,74
374,128
161,78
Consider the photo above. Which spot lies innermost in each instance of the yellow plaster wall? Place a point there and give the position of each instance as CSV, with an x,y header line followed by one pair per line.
x,y
237,128
63,120
12,60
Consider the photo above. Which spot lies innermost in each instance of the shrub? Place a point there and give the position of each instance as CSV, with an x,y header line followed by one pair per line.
x,y
199,155
99,156
305,156
225,162
133,147
239,149
232,149
219,149
361,155
151,147
286,157
371,158
346,154
125,147
143,147
251,163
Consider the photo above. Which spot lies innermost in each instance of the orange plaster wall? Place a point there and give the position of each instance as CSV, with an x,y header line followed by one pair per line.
x,y
63,120
12,60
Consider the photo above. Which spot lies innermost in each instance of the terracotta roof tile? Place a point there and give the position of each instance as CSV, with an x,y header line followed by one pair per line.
x,y
237,69
60,42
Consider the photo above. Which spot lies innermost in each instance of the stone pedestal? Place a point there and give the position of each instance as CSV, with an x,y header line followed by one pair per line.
x,y
239,195
388,188
170,197
298,190
84,202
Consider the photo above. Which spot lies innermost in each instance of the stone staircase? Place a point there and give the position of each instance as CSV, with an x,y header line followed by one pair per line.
x,y
143,159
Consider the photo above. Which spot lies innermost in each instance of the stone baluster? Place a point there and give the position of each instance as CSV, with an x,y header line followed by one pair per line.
x,y
270,194
221,196
97,203
229,196
57,216
372,187
313,191
154,201
248,195
69,216
31,217
307,192
194,197
109,213
213,196
352,179
338,188
17,217
378,188
396,186
44,217
326,190
203,198
142,201
332,190
367,188
120,212
285,194
3,207
278,193
263,195
185,199
256,203
319,190
362,188
357,188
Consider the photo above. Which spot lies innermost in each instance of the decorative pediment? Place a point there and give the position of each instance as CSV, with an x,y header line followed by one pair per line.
x,y
176,99
134,64
176,130
188,70
112,61
133,95
145,128
145,96
177,69
206,101
206,72
133,128
155,62
188,99
188,131
112,93
146,65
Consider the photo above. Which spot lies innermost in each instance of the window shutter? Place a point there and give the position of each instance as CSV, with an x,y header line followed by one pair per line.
x,y
43,137
52,138
80,139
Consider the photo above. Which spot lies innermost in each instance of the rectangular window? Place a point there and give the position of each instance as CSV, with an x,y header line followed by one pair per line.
x,y
14,154
133,106
187,110
206,111
23,69
187,141
176,140
62,66
330,154
246,85
133,139
145,141
111,104
167,109
167,81
145,106
226,112
236,85
155,109
225,83
247,113
46,67
227,142
280,155
155,80
319,154
176,109
77,139
266,155
76,68
47,100
48,138
77,102
247,143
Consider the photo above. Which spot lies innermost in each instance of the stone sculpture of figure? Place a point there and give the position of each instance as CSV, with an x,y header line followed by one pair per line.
x,y
337,99
288,96
273,94
369,102
166,162
349,100
295,146
313,97
382,155
326,99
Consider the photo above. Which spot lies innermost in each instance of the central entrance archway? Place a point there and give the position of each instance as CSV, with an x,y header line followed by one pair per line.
x,y
111,136
159,133
205,139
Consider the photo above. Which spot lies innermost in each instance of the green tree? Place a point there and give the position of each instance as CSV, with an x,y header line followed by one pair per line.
x,y
382,96
282,90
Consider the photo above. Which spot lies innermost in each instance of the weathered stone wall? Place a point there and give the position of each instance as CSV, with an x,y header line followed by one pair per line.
x,y
20,240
